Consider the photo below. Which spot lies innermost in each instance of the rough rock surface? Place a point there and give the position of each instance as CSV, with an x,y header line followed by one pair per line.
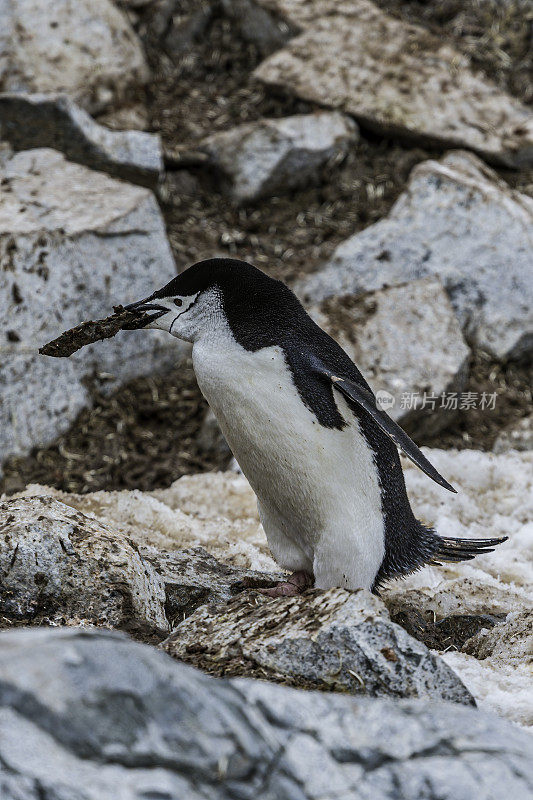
x,y
519,437
91,714
334,640
270,155
407,342
395,78
458,221
192,577
73,243
60,566
53,120
85,48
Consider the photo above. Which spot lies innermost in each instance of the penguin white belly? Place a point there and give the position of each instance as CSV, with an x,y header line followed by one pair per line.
x,y
318,489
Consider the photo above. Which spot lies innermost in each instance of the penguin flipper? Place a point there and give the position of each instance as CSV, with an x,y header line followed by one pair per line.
x,y
365,398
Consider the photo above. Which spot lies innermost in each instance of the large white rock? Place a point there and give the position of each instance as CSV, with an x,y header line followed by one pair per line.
x,y
407,342
458,221
59,566
396,78
73,243
54,120
85,48
270,155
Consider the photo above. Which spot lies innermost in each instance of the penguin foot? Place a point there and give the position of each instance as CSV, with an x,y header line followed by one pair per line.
x,y
297,583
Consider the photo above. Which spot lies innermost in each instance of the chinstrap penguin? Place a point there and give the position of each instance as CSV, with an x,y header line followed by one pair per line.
x,y
303,424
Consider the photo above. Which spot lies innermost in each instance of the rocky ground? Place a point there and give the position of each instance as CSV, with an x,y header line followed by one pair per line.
x,y
378,158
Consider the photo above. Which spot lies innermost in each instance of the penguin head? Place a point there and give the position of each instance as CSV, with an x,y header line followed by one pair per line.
x,y
211,294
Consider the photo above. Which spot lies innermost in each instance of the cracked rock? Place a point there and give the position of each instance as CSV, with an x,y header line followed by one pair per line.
x,y
93,714
59,566
407,342
73,243
396,78
86,49
261,158
334,640
462,224
53,120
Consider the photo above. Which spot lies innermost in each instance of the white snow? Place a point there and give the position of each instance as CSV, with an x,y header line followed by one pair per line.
x,y
217,511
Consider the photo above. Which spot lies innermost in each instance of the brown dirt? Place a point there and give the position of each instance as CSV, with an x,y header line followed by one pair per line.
x,y
141,437
477,428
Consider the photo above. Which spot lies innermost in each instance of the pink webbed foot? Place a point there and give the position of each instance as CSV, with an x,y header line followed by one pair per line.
x,y
297,583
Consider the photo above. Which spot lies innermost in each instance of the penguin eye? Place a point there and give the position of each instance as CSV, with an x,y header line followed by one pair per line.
x,y
178,302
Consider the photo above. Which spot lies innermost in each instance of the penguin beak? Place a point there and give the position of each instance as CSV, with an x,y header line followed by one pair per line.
x,y
141,307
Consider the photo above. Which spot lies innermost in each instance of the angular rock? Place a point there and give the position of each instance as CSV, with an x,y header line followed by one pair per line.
x,y
407,342
270,155
53,120
193,577
334,640
458,221
395,78
59,566
517,437
85,49
93,714
73,243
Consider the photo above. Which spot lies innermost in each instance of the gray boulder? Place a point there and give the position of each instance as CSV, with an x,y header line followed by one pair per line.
x,y
91,715
60,566
408,344
516,437
73,243
458,221
334,640
85,49
53,120
270,155
395,78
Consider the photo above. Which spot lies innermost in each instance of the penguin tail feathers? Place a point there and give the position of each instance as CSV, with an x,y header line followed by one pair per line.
x,y
449,549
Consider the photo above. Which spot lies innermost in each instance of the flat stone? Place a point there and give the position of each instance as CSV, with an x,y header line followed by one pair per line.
x,y
395,78
73,243
517,437
93,714
85,49
459,222
59,566
276,155
407,342
53,120
334,640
